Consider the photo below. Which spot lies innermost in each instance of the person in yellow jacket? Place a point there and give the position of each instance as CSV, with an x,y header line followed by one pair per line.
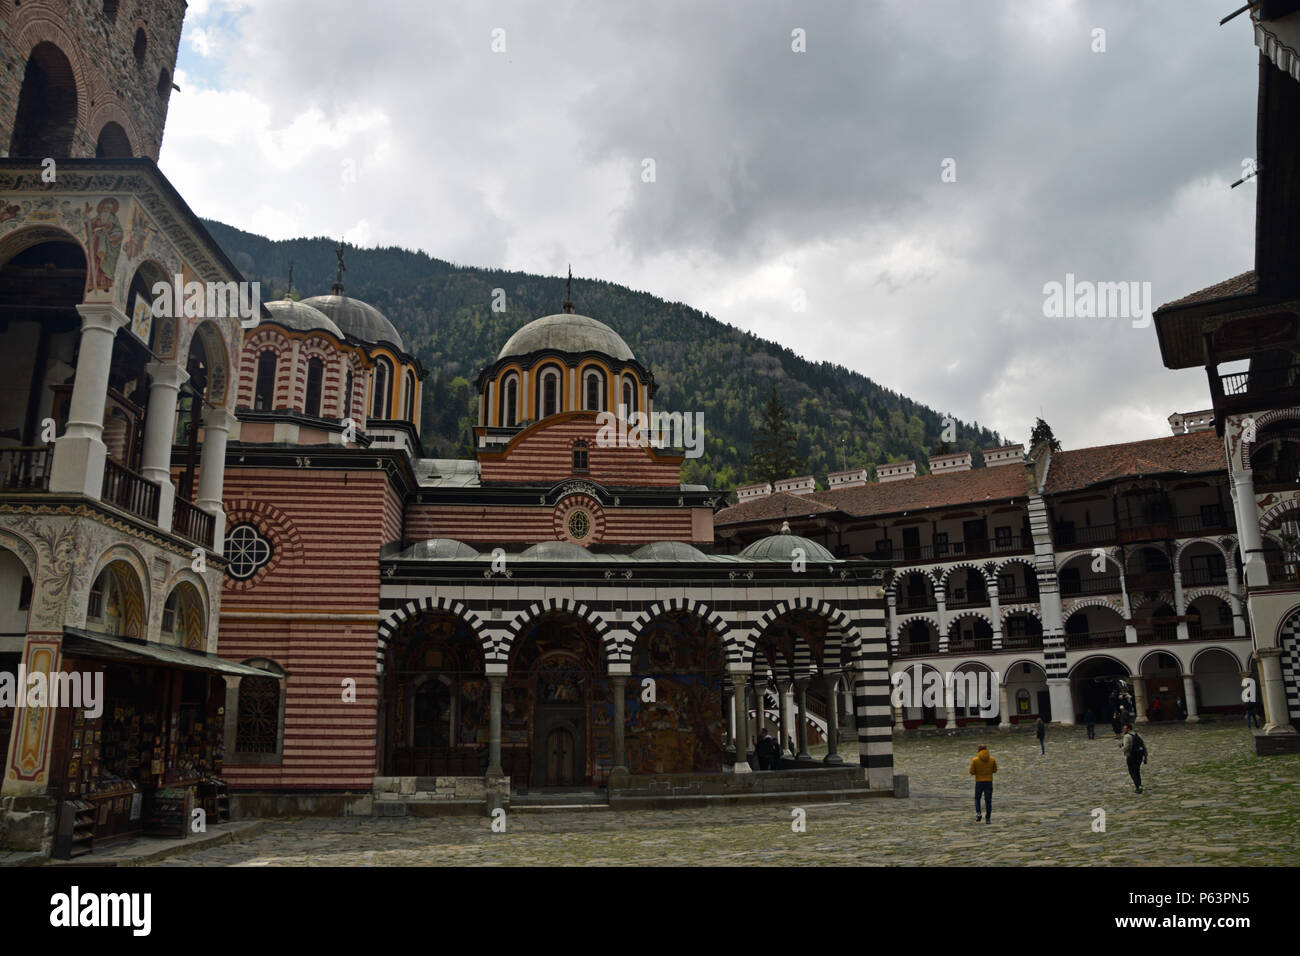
x,y
983,767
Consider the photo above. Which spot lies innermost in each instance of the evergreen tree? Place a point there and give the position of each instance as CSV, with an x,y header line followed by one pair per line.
x,y
1043,432
775,442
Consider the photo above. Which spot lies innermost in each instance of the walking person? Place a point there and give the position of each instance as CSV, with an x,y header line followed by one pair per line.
x,y
1040,731
1135,754
1250,716
983,767
765,749
1115,724
1090,721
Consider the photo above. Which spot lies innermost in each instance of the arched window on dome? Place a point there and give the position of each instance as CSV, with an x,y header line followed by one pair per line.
x,y
383,389
315,378
264,387
508,413
347,395
409,401
593,390
548,388
629,393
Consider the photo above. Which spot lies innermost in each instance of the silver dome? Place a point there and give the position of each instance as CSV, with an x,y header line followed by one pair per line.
x,y
558,551
669,551
567,332
359,320
439,549
302,317
780,547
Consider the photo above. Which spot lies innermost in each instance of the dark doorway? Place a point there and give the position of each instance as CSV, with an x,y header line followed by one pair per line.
x,y
1045,706
976,535
47,106
560,747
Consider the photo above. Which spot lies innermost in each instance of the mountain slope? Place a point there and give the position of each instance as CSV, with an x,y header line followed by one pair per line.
x,y
701,364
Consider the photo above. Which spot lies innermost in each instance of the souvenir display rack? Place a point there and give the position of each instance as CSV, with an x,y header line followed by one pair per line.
x,y
76,833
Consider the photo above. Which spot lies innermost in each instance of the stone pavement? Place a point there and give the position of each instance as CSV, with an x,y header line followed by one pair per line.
x,y
1209,800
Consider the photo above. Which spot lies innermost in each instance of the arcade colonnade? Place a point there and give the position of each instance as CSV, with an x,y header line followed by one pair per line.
x,y
758,649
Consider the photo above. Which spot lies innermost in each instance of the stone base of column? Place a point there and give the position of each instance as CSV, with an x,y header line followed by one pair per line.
x,y
741,767
166,499
1192,719
78,466
833,758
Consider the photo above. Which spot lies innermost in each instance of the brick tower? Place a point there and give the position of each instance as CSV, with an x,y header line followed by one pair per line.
x,y
86,78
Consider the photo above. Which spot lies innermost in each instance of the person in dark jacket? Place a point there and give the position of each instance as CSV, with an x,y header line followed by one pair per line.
x,y
1135,755
1115,725
1090,721
1040,731
765,750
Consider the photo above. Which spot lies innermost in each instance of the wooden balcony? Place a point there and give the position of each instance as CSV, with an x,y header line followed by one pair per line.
x,y
26,469
130,491
193,523
1077,642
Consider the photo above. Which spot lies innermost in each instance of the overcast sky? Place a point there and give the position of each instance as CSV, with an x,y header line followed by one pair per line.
x,y
776,173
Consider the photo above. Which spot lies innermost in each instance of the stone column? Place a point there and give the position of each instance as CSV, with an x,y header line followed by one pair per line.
x,y
166,379
801,729
832,722
79,453
1140,700
1004,707
742,731
1180,605
760,716
212,470
782,725
619,682
996,608
1234,601
1130,629
941,599
950,705
848,719
1062,698
788,709
495,683
1252,548
729,708
892,598
1276,716
1189,698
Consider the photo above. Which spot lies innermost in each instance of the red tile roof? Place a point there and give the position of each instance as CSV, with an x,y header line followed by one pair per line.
x,y
890,497
1243,284
1196,453
779,504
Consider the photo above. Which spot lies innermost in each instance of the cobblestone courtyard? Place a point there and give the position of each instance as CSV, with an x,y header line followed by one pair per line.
x,y
1209,800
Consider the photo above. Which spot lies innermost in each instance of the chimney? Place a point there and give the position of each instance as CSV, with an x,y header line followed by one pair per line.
x,y
1184,423
1006,455
943,464
896,471
753,492
852,478
803,485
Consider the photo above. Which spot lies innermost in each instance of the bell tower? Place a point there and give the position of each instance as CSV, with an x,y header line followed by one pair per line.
x,y
87,79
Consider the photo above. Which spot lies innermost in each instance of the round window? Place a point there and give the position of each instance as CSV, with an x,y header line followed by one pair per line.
x,y
579,525
247,551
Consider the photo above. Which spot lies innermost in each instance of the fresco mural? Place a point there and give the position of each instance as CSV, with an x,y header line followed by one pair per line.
x,y
682,729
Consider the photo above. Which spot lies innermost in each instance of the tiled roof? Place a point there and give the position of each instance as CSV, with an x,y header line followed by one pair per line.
x,y
907,494
1194,453
1243,284
779,504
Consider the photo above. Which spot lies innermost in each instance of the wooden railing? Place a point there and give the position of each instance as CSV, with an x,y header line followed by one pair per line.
x,y
1099,584
130,491
192,522
1075,642
26,469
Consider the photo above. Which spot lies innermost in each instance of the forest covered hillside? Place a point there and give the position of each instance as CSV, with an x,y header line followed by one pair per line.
x,y
701,364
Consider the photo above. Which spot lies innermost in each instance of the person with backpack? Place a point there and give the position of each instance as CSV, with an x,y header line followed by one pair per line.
x,y
983,767
1040,731
1135,753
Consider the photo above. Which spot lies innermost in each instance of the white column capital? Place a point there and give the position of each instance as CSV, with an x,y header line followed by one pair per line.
x,y
218,419
102,316
166,374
